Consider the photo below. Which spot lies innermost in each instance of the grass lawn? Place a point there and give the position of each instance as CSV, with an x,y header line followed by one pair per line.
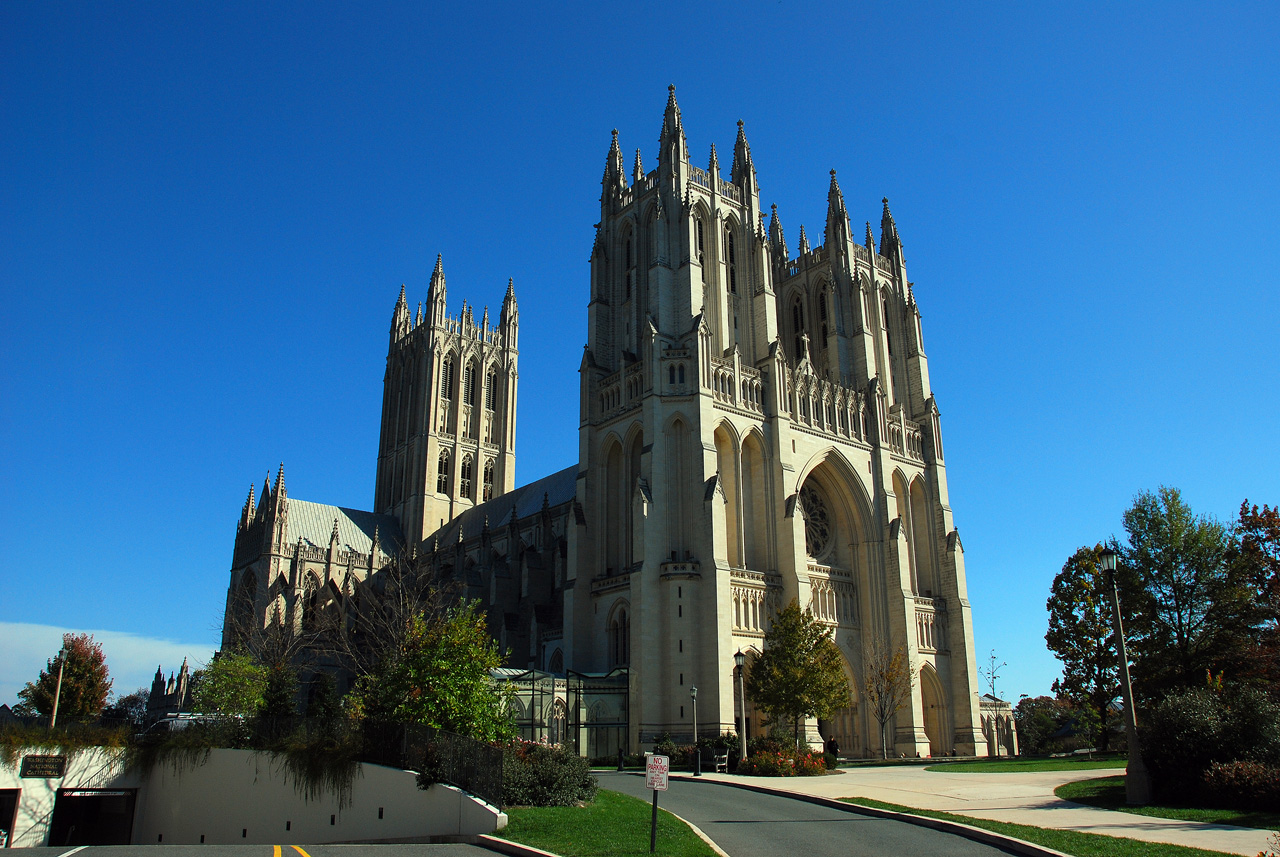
x,y
1108,793
614,824
1010,766
1066,841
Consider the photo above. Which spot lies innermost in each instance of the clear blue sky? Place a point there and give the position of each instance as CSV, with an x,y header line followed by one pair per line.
x,y
207,211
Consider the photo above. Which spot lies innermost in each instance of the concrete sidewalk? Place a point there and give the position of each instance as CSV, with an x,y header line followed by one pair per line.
x,y
1020,798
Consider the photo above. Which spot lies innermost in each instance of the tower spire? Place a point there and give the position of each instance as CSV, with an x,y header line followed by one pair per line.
x,y
400,317
804,243
671,142
837,215
744,171
776,238
637,172
436,294
889,241
615,177
509,320
713,165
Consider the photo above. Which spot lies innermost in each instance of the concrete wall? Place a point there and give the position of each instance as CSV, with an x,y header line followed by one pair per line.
x,y
246,797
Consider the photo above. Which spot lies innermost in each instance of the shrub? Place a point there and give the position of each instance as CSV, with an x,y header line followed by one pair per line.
x,y
1191,731
1243,785
830,760
783,764
542,775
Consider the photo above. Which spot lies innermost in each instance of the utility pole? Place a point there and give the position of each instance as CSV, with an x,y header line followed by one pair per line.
x,y
57,694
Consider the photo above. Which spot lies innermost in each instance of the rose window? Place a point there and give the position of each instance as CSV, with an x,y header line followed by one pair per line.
x,y
817,523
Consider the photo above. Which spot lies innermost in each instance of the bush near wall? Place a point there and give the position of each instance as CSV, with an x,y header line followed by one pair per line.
x,y
783,764
545,775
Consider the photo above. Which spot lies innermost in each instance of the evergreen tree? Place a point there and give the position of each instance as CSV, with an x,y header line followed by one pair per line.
x,y
85,683
800,673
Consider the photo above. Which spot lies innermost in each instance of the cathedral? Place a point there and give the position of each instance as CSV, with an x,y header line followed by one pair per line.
x,y
756,425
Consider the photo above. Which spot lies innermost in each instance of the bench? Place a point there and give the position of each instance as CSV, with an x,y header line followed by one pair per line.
x,y
722,763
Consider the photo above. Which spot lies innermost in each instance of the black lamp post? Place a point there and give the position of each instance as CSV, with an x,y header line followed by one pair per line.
x,y
697,751
740,660
1137,783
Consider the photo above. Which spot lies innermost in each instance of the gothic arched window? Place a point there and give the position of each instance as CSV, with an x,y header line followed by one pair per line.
x,y
671,374
697,237
731,260
490,383
884,319
822,315
797,327
469,384
620,639
446,379
680,373
631,267
464,477
442,473
488,480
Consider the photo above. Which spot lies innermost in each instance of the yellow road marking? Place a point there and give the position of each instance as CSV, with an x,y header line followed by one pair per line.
x,y
300,851
275,851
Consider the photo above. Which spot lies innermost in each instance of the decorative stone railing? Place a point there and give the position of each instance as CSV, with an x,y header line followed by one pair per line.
x,y
730,190
735,384
823,405
905,436
930,626
700,177
832,595
756,597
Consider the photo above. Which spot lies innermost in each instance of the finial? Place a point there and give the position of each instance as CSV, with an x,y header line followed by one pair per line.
x,y
672,89
885,199
615,133
739,124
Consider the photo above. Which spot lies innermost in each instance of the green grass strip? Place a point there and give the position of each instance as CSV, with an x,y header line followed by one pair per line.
x,y
1066,841
1108,793
615,824
1012,766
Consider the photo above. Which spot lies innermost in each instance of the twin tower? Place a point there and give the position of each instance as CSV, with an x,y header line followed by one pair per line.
x,y
756,425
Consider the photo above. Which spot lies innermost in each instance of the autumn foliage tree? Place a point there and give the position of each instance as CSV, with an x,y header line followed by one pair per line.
x,y
85,682
800,673
1256,558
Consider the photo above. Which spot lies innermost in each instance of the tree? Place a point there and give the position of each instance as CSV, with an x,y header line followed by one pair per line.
x,y
131,707
85,683
233,683
991,672
1192,611
1082,637
887,680
442,678
1048,725
1256,558
279,692
800,673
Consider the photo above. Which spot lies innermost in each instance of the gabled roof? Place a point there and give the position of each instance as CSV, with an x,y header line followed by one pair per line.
x,y
558,488
313,523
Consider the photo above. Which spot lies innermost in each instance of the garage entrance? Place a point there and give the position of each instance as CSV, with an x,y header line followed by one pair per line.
x,y
8,814
92,817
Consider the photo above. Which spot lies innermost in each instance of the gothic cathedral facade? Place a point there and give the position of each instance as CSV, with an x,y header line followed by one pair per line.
x,y
755,427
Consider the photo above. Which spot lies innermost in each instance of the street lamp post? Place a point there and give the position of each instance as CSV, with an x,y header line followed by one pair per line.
x,y
57,694
740,660
697,753
1137,784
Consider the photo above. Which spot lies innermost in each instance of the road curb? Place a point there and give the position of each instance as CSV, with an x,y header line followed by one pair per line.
x,y
977,834
512,849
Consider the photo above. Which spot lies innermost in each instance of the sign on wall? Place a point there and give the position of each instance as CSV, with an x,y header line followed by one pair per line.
x,y
43,767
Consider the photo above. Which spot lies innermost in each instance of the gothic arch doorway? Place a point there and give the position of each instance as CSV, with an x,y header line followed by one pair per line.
x,y
935,712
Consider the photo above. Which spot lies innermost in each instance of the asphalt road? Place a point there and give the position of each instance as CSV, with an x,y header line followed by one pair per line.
x,y
750,824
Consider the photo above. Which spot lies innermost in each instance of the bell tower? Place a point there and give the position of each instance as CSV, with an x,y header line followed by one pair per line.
x,y
448,411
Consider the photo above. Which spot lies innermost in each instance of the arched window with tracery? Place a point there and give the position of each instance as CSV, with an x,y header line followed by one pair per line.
x,y
884,320
469,384
797,327
488,480
464,477
446,379
731,260
630,254
442,473
490,385
698,245
620,638
822,315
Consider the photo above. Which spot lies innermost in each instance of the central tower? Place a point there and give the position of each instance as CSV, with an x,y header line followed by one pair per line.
x,y
448,411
